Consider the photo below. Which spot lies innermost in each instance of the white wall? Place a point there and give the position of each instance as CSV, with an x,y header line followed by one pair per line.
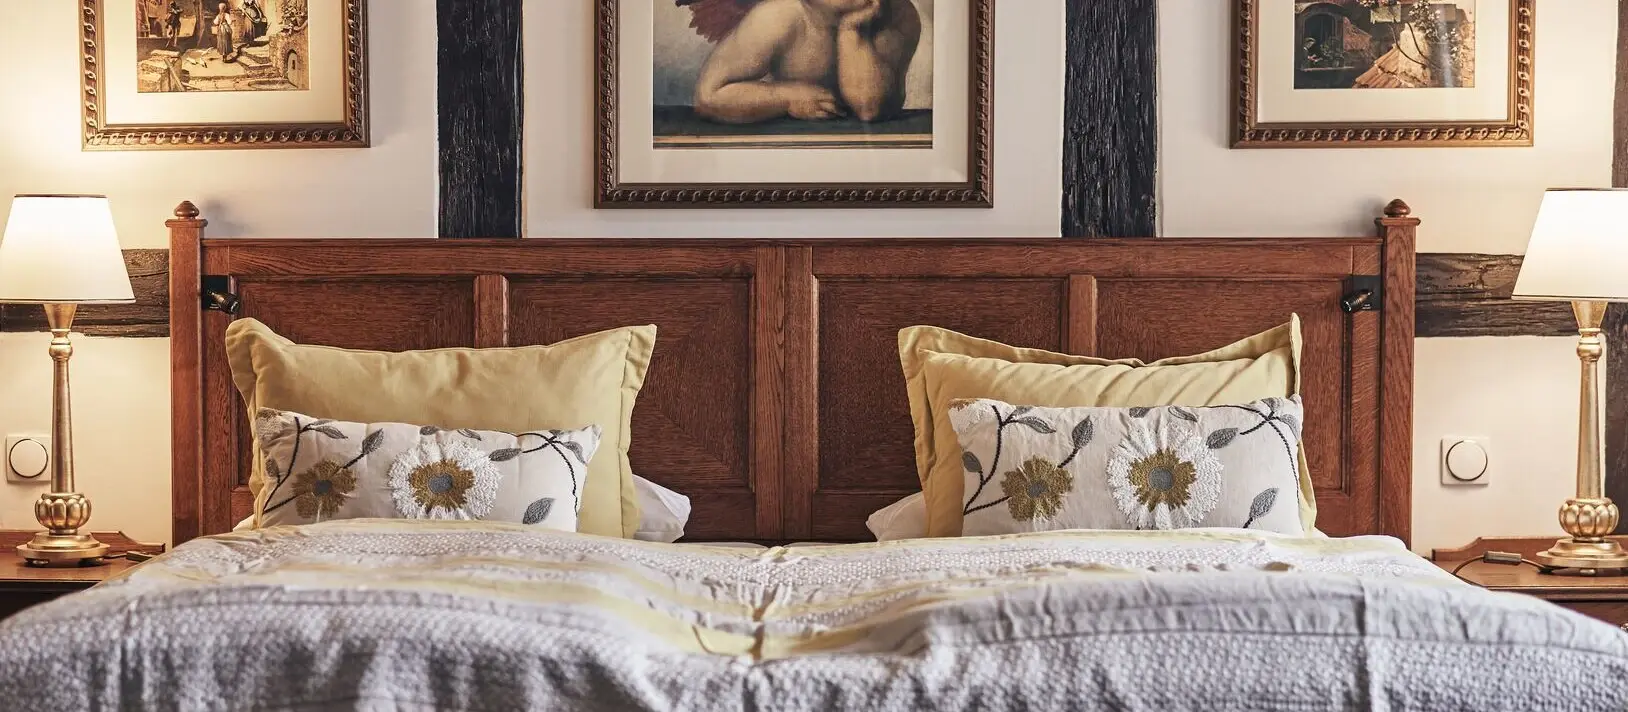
x,y
1520,392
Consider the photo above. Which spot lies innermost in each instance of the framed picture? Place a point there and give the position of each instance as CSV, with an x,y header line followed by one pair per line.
x,y
170,74
795,103
1366,73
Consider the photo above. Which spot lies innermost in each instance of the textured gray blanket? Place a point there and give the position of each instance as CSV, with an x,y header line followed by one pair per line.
x,y
462,616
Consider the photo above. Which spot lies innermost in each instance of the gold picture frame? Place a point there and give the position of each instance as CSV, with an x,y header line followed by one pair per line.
x,y
1250,130
348,84
615,189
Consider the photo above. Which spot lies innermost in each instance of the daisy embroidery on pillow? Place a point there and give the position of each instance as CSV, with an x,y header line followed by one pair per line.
x,y
1164,475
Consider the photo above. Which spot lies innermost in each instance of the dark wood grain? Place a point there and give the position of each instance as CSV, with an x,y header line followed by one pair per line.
x,y
480,103
774,398
1603,598
1400,232
149,316
187,387
1110,118
1468,294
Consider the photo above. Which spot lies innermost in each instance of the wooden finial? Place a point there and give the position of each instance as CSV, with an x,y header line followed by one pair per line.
x,y
187,211
1398,209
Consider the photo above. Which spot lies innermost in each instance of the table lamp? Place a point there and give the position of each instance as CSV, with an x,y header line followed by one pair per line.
x,y
1579,253
61,251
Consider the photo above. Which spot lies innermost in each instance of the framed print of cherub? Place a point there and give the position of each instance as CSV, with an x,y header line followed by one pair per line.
x,y
807,103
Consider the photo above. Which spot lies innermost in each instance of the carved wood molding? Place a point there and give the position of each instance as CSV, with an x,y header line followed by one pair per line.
x,y
149,316
1459,294
1467,294
1110,123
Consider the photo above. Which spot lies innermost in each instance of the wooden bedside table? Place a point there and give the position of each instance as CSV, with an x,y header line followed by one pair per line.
x,y
1602,597
23,586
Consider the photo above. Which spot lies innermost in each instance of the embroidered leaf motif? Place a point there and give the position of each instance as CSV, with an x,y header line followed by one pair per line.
x,y
371,443
1184,414
329,431
1221,438
1140,412
1035,424
1020,410
1082,434
575,450
538,511
1262,504
428,430
466,432
320,423
1293,423
971,463
505,455
274,470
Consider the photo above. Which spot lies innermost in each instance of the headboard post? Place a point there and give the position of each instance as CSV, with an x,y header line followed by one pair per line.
x,y
1399,229
186,370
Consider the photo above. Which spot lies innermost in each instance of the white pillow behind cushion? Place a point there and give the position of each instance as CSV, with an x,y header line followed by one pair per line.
x,y
1170,467
320,469
904,519
662,512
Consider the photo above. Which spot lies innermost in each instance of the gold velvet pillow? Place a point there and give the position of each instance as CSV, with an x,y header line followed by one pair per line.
x,y
588,380
942,366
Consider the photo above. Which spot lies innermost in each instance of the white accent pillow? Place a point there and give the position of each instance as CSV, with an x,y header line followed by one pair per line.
x,y
662,512
904,519
1170,467
319,469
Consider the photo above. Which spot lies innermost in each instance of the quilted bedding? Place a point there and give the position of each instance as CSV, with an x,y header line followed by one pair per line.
x,y
478,616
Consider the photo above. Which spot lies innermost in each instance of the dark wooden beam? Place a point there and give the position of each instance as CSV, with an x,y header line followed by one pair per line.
x,y
149,316
479,71
1616,322
1466,294
1110,119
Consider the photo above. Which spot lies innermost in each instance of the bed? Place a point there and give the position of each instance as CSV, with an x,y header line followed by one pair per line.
x,y
775,402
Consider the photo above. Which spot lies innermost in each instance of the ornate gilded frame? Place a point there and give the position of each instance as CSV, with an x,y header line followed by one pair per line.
x,y
351,132
1513,131
976,192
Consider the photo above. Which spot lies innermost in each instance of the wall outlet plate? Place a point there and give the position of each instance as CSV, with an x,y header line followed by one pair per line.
x,y
27,459
1465,461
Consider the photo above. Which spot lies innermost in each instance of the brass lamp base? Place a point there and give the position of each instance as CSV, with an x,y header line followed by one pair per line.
x,y
1587,552
46,549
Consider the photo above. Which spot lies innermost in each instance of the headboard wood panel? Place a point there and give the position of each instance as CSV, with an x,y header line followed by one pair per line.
x,y
775,399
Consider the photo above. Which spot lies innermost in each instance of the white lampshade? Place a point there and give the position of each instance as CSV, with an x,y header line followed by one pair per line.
x,y
62,249
1579,248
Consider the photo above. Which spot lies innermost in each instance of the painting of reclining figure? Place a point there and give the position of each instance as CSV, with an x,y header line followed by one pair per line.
x,y
793,74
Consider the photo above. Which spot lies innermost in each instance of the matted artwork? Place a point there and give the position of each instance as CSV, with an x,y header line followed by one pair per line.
x,y
836,103
224,73
1361,73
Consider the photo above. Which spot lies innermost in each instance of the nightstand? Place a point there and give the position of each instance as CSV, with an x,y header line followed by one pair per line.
x,y
1603,597
23,586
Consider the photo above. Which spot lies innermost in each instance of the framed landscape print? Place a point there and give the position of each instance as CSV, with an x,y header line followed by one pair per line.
x,y
170,74
1367,73
795,103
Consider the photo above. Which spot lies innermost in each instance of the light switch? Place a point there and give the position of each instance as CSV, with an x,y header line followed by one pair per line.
x,y
28,458
1465,461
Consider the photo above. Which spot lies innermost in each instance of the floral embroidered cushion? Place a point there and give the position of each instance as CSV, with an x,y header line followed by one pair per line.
x,y
320,469
1171,467
594,378
942,366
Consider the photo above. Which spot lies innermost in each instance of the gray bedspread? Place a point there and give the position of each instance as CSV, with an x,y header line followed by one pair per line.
x,y
459,616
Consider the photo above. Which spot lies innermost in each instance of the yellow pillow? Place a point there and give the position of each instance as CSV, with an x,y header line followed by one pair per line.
x,y
588,380
941,366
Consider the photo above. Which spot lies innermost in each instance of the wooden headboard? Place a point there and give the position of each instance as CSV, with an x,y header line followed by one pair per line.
x,y
775,399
